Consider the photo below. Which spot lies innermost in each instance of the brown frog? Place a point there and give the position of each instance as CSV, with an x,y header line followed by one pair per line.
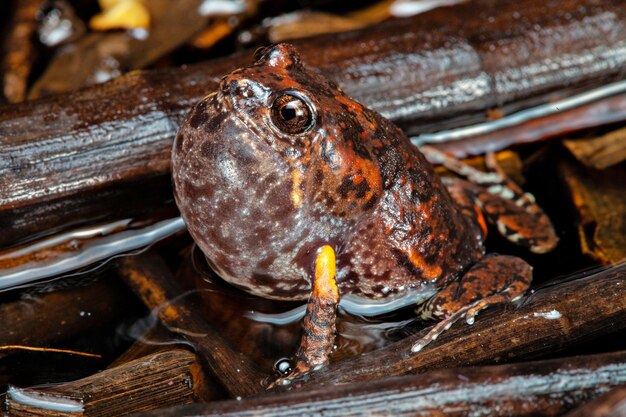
x,y
294,191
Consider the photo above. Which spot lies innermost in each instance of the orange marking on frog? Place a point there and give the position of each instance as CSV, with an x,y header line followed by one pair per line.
x,y
480,218
366,170
429,271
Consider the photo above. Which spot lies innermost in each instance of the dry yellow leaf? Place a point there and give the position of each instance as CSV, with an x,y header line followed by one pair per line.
x,y
122,14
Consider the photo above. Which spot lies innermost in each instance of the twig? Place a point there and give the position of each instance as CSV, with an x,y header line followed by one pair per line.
x,y
48,350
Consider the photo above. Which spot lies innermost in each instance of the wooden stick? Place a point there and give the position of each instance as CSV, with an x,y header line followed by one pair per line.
x,y
148,276
544,388
549,320
611,404
159,380
98,139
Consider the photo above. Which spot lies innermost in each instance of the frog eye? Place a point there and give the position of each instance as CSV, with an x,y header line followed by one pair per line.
x,y
291,114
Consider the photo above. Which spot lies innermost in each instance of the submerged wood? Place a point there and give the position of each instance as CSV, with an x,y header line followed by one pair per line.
x,y
149,277
600,202
45,319
544,388
68,153
611,404
162,379
549,320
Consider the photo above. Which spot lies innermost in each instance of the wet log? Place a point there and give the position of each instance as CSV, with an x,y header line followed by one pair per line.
x,y
543,388
600,202
605,111
611,404
159,380
68,153
81,248
149,277
547,321
45,319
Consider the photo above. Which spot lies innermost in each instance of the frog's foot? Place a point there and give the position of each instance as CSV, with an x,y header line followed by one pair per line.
x,y
502,202
492,280
319,323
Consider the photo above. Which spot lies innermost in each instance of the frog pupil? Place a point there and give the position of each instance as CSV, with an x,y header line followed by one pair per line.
x,y
291,114
291,111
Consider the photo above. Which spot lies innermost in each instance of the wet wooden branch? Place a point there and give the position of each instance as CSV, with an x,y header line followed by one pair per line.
x,y
545,388
148,276
611,404
102,138
162,379
549,320
592,115
48,318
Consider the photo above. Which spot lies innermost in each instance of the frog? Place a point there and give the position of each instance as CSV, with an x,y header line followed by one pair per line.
x,y
295,191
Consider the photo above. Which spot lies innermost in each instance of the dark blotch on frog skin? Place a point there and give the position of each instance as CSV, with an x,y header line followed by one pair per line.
x,y
199,115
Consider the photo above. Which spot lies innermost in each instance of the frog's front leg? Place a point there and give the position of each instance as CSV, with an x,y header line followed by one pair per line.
x,y
492,280
319,323
502,202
